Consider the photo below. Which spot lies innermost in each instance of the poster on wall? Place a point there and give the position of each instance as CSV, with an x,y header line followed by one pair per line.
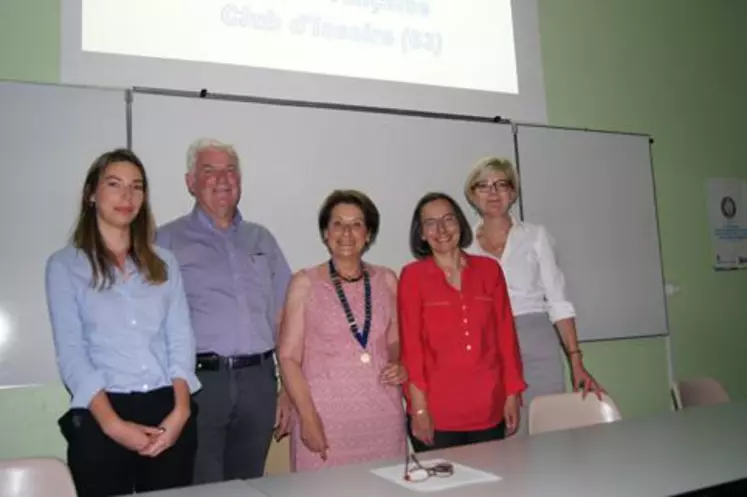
x,y
727,215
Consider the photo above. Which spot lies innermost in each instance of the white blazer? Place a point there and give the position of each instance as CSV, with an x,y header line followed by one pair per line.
x,y
535,282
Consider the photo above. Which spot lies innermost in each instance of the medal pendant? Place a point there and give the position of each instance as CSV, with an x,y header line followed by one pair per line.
x,y
365,358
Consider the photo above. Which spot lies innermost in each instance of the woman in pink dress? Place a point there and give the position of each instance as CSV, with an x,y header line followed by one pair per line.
x,y
339,346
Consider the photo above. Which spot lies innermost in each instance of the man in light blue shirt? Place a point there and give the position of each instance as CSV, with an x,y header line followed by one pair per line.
x,y
235,277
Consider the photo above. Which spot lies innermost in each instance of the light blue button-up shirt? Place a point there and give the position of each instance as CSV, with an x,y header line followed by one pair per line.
x,y
235,280
131,337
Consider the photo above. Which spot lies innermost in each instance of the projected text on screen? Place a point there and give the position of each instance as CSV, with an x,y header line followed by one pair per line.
x,y
448,43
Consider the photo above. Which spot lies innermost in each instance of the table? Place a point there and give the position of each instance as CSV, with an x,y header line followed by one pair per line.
x,y
659,456
233,488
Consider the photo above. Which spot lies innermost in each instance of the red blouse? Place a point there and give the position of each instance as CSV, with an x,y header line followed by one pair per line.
x,y
459,347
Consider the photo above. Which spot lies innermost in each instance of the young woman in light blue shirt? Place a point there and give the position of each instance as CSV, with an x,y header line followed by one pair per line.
x,y
123,339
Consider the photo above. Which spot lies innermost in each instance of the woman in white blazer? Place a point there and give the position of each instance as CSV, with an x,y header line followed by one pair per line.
x,y
535,282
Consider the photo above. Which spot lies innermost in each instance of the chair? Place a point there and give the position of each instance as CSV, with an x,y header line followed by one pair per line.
x,y
566,411
702,391
35,477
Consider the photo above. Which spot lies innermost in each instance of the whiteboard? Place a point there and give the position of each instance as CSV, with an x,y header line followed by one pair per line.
x,y
49,136
594,192
293,157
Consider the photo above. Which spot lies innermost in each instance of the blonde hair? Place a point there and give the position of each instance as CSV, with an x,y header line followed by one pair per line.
x,y
488,165
201,144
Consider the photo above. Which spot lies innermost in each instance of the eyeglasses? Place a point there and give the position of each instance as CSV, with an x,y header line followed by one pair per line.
x,y
448,221
499,186
415,472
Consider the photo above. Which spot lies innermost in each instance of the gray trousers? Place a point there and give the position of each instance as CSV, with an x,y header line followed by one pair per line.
x,y
235,422
542,358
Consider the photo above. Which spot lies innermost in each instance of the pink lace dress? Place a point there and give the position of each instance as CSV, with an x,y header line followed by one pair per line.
x,y
363,419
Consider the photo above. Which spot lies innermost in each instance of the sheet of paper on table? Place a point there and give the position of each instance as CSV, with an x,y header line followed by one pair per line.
x,y
463,475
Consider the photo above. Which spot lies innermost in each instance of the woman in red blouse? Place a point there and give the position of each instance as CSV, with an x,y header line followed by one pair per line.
x,y
459,344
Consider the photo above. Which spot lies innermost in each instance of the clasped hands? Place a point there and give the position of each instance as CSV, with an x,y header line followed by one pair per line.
x,y
148,441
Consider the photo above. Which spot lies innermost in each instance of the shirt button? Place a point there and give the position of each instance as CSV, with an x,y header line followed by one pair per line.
x,y
465,321
464,307
469,347
134,322
466,333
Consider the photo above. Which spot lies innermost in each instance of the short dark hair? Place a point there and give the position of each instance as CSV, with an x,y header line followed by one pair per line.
x,y
419,247
371,216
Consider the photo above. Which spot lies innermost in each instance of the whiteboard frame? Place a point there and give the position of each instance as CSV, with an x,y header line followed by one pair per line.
x,y
128,100
515,130
667,334
486,131
205,94
123,129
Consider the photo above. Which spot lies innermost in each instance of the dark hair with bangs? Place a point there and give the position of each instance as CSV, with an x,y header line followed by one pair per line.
x,y
419,247
371,217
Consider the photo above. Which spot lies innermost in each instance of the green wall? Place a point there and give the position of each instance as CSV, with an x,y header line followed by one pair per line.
x,y
29,40
672,68
675,69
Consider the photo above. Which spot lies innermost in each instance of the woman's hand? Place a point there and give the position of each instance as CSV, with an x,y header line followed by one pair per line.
x,y
511,414
132,436
422,426
583,380
312,435
393,374
283,416
168,433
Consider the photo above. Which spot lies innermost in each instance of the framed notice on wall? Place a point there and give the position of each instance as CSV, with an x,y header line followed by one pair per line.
x,y
727,216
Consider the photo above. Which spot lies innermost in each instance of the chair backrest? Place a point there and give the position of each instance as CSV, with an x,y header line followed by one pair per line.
x,y
566,411
702,391
35,477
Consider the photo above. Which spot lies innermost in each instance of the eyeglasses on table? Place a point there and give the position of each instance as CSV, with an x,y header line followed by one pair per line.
x,y
416,472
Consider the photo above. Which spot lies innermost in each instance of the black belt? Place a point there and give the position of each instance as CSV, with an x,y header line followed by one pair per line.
x,y
210,361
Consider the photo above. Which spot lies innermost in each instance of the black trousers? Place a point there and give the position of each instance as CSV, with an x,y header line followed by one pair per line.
x,y
446,439
102,468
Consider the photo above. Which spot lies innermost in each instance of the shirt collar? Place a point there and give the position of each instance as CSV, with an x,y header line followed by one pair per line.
x,y
201,217
433,268
516,223
129,266
129,269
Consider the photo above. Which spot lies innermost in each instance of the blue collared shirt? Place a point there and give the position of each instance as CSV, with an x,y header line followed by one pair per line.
x,y
235,281
131,337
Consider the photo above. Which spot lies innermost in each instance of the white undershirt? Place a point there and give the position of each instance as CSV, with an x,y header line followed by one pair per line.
x,y
535,282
